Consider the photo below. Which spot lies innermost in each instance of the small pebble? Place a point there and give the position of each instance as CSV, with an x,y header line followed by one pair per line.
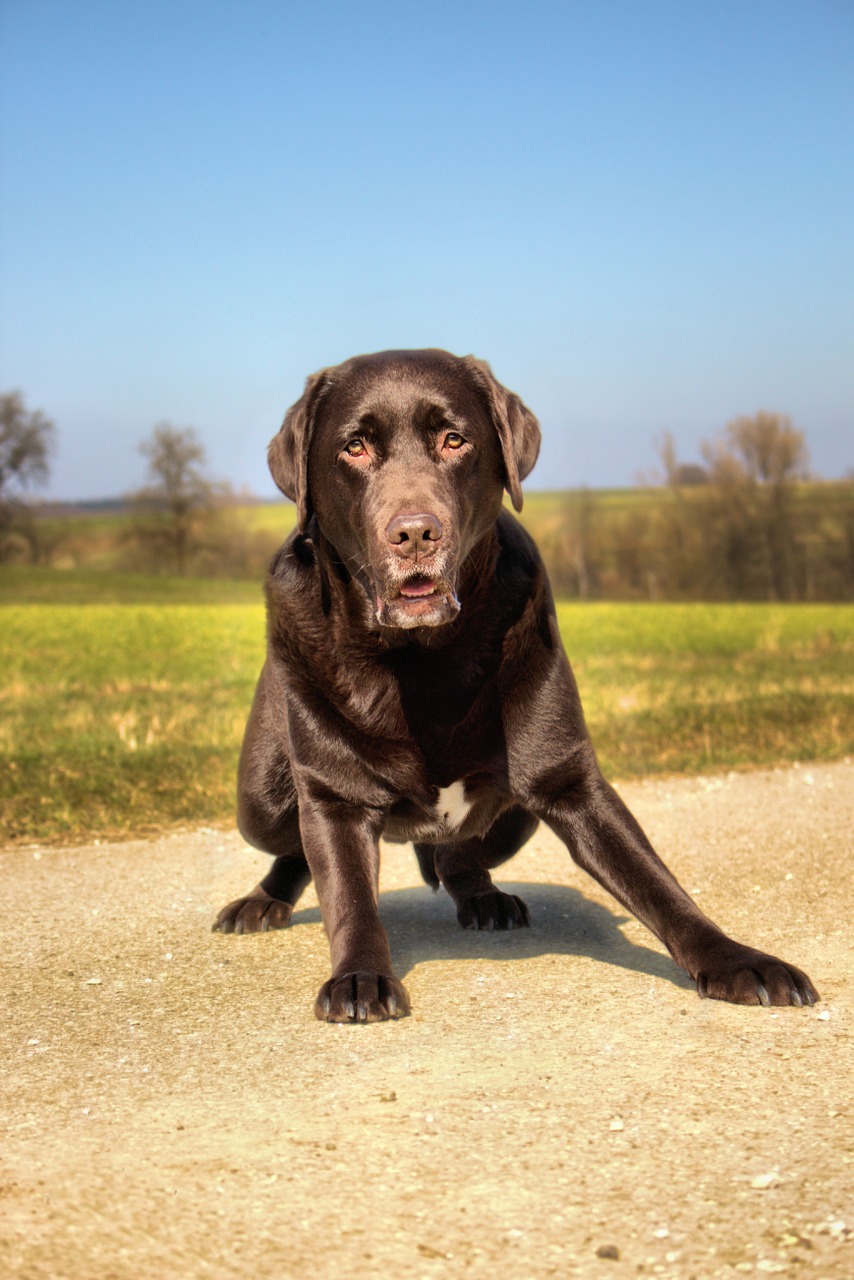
x,y
608,1251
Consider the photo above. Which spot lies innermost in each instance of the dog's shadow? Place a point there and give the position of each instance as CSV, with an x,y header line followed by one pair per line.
x,y
422,926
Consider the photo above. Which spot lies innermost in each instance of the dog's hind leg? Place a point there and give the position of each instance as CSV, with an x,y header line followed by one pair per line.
x,y
463,869
426,855
271,903
268,819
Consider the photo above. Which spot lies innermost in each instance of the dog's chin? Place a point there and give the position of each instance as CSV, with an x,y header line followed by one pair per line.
x,y
417,602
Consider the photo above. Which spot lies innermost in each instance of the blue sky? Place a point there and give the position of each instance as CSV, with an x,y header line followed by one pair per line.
x,y
641,212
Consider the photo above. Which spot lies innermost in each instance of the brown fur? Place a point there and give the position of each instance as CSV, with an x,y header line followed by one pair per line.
x,y
416,687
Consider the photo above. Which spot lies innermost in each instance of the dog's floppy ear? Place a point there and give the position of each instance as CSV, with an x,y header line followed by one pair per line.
x,y
518,429
287,455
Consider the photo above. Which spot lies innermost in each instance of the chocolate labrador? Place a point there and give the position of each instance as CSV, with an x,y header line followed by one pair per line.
x,y
416,687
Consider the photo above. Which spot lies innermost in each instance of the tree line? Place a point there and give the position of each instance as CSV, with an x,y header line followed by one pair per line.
x,y
180,521
745,524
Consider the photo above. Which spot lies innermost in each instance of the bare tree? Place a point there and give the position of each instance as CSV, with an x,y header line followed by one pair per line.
x,y
771,450
665,447
26,442
176,497
754,465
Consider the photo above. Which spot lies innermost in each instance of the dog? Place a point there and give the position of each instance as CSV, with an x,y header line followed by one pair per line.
x,y
416,688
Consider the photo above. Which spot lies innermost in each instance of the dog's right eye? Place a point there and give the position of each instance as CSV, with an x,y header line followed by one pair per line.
x,y
355,448
453,440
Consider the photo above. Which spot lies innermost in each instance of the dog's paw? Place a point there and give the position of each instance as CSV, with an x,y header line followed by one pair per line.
x,y
493,910
255,914
361,997
744,976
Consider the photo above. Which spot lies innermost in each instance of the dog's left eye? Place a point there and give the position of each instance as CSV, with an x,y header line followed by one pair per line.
x,y
355,448
453,440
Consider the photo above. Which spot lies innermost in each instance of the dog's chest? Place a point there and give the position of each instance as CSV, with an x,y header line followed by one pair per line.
x,y
454,812
453,806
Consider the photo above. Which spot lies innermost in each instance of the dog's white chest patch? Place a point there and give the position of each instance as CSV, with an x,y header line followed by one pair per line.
x,y
452,807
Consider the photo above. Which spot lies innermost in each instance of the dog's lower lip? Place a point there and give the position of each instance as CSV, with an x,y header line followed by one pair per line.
x,y
418,588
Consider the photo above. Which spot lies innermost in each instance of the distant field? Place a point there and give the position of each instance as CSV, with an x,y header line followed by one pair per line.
x,y
32,584
97,540
691,543
122,713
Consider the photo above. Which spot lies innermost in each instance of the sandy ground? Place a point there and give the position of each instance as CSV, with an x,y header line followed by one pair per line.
x,y
559,1103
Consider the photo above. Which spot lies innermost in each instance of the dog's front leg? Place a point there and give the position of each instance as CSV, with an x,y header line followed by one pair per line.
x,y
341,846
606,840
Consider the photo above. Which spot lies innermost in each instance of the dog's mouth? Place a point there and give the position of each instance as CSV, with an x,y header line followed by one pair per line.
x,y
418,601
419,588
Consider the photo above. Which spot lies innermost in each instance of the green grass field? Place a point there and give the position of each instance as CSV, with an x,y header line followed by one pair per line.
x,y
123,700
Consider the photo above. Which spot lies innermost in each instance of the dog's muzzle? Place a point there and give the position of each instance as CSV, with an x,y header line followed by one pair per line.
x,y
416,591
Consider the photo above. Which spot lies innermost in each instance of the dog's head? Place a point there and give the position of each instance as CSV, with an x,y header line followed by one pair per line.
x,y
402,457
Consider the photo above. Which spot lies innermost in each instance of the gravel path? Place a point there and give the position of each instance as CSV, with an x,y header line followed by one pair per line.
x,y
560,1103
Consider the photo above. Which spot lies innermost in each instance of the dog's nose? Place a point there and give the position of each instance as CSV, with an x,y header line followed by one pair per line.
x,y
414,535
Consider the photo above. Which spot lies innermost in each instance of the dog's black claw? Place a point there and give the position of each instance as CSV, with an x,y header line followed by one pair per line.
x,y
492,910
361,998
745,976
257,913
